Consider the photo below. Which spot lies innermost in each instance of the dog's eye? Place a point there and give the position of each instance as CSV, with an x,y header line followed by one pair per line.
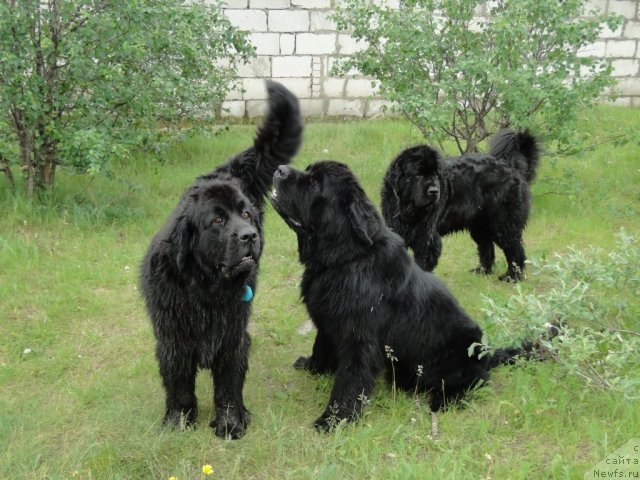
x,y
246,215
218,220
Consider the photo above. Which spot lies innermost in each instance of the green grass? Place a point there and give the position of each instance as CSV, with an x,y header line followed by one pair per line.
x,y
87,401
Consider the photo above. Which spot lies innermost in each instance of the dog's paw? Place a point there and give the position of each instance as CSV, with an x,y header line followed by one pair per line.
x,y
303,363
230,422
511,277
328,422
480,271
180,420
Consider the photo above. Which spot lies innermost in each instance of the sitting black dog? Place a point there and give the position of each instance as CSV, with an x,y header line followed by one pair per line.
x,y
425,197
374,308
199,273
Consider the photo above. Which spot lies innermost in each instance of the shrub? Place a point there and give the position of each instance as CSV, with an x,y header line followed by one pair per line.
x,y
461,69
594,302
84,81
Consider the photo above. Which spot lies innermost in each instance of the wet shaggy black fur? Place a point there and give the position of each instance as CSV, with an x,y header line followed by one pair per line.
x,y
370,301
425,197
199,265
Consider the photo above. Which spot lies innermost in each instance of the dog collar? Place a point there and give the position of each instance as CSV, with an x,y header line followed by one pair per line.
x,y
247,294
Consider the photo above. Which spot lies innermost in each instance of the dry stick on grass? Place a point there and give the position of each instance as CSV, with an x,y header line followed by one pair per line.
x,y
435,427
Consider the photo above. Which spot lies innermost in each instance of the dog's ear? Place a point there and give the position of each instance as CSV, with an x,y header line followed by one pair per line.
x,y
363,219
182,239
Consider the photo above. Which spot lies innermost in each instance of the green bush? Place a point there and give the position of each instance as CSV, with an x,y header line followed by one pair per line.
x,y
461,69
593,300
86,81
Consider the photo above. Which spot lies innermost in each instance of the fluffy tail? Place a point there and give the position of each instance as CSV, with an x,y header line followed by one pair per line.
x,y
519,149
280,135
528,350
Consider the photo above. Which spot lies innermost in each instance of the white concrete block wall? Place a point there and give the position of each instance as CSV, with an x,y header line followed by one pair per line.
x,y
297,44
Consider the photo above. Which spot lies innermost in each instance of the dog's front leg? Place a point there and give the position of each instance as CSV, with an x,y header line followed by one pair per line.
x,y
358,367
229,371
427,253
323,358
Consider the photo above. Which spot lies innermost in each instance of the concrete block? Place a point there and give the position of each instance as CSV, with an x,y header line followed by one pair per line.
x,y
348,45
291,66
608,33
595,49
626,8
251,20
300,87
270,4
631,30
235,93
229,3
626,68
232,108
620,48
379,108
265,43
628,86
289,21
316,43
594,6
320,21
334,87
348,108
256,108
359,87
312,107
287,44
259,67
311,3
254,89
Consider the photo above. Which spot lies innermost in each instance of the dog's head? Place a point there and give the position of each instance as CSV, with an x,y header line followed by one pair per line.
x,y
415,182
219,229
326,204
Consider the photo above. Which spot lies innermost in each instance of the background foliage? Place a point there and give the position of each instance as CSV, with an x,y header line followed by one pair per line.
x,y
85,81
461,69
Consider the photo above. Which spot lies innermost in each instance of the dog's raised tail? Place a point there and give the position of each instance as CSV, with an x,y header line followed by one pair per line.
x,y
280,135
519,149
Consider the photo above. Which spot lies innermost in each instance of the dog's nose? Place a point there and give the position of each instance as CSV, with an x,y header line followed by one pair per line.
x,y
283,171
247,234
433,190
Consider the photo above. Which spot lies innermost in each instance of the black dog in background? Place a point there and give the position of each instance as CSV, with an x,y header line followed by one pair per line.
x,y
199,273
375,310
425,197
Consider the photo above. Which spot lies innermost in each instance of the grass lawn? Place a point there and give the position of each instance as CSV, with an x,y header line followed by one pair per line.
x,y
80,395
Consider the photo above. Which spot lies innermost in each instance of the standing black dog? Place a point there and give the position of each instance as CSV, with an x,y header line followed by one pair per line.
x,y
425,197
199,273
374,308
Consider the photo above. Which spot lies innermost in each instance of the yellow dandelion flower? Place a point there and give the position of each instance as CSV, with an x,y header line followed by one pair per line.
x,y
207,469
173,478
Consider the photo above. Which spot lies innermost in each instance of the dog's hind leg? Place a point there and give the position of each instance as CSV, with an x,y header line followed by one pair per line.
x,y
486,252
514,253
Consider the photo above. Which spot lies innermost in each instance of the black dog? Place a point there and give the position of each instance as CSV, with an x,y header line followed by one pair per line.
x,y
199,274
424,197
374,308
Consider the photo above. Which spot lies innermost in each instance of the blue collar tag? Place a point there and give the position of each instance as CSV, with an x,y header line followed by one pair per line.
x,y
247,295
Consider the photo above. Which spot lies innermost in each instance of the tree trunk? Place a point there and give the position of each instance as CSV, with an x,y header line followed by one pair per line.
x,y
6,169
